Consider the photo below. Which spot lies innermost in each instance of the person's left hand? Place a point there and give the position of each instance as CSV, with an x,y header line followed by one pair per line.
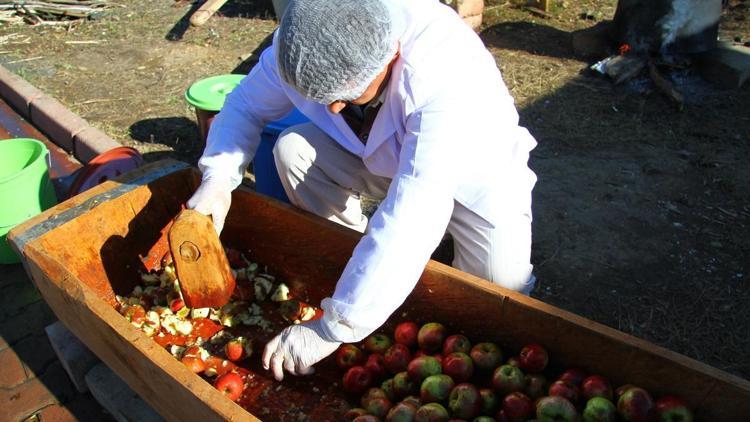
x,y
297,348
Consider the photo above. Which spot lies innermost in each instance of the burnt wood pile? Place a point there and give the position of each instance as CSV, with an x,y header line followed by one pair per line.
x,y
657,37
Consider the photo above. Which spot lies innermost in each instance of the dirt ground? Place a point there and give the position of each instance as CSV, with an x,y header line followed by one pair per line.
x,y
641,212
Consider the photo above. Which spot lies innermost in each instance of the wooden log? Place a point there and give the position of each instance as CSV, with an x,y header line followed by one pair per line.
x,y
205,12
666,87
78,274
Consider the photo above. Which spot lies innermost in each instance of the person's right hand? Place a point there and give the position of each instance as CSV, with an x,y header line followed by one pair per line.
x,y
212,198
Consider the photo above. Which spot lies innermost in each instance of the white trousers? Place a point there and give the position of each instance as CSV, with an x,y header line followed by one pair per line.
x,y
320,176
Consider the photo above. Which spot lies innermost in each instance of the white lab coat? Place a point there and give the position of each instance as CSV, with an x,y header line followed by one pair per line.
x,y
447,131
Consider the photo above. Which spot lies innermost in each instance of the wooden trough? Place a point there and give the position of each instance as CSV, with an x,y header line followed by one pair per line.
x,y
83,251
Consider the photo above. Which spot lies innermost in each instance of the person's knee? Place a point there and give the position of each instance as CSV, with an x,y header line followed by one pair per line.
x,y
291,149
519,279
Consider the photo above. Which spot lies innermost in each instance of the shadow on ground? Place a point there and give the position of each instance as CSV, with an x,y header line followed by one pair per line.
x,y
180,134
639,211
530,37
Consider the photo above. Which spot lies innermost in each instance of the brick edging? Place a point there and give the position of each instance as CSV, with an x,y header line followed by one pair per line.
x,y
62,126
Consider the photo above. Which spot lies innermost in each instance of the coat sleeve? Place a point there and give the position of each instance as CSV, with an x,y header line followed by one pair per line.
x,y
235,132
407,227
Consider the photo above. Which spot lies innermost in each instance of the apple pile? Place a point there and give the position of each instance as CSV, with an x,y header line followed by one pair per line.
x,y
425,374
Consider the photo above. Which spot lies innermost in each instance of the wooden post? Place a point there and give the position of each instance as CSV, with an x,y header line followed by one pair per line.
x,y
206,11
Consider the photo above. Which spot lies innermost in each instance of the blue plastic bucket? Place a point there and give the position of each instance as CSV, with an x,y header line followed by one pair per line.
x,y
267,179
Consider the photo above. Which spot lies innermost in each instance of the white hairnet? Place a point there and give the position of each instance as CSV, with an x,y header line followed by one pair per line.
x,y
331,50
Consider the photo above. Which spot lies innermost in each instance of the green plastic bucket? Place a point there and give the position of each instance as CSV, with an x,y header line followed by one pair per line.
x,y
207,96
25,187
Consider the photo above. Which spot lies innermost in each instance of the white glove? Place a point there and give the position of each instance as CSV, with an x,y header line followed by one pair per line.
x,y
213,198
297,348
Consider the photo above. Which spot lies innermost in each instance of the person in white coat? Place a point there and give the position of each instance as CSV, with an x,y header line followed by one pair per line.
x,y
405,105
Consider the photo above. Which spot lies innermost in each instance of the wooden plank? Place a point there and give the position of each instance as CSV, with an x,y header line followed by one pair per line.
x,y
310,253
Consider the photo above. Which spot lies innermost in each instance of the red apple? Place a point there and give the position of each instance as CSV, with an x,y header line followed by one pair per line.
x,y
673,409
421,352
555,408
231,385
349,355
431,337
387,387
413,400
431,412
235,350
193,359
518,407
464,401
357,379
533,358
622,389
377,343
378,406
486,356
501,416
573,376
490,401
436,388
438,357
456,343
401,412
596,386
372,393
406,334
566,390
354,413
194,363
404,386
458,366
636,405
367,418
507,379
536,386
396,358
422,367
376,366
599,409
